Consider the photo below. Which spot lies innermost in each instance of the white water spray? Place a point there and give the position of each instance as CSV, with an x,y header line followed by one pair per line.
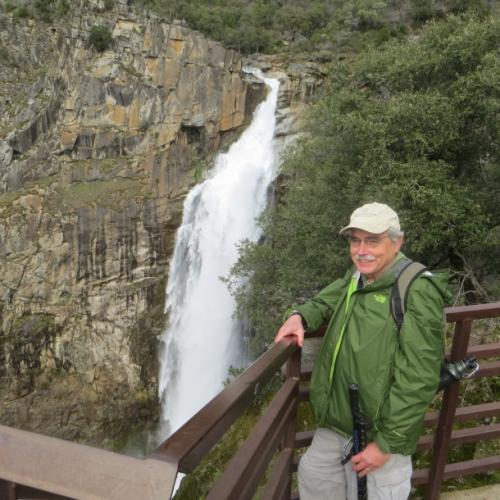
x,y
203,340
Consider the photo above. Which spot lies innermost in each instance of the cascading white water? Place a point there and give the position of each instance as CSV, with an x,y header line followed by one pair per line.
x,y
202,340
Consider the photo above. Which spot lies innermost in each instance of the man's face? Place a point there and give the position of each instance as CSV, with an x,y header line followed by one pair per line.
x,y
372,254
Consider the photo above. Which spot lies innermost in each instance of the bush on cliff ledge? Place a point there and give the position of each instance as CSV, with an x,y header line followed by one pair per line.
x,y
100,38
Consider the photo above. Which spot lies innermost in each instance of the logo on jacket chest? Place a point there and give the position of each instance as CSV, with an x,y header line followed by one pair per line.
x,y
381,299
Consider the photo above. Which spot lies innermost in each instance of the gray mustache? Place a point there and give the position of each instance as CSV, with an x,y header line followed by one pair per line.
x,y
365,258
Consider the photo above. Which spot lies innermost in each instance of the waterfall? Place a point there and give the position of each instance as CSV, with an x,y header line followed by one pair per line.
x,y
203,339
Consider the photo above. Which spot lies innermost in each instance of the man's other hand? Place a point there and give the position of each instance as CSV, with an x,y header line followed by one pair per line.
x,y
370,459
292,327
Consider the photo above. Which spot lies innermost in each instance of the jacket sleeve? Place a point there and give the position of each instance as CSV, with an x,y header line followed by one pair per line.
x,y
319,309
416,370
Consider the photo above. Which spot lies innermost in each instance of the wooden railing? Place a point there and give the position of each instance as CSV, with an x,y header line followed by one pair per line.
x,y
275,434
33,466
30,463
444,436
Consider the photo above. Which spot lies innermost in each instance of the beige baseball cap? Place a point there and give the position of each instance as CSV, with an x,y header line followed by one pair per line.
x,y
374,218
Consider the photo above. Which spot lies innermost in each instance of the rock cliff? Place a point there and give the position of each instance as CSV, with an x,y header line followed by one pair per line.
x,y
97,151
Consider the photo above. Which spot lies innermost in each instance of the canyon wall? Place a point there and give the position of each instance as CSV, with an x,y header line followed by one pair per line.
x,y
97,151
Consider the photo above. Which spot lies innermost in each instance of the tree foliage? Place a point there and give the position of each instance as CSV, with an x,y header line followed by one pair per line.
x,y
312,26
43,10
414,125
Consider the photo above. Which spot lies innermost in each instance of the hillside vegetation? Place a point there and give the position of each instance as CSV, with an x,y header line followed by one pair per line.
x,y
323,29
413,123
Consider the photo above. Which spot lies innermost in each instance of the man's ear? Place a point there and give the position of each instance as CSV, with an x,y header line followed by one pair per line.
x,y
399,243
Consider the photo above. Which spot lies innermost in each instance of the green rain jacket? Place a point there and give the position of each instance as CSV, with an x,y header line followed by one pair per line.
x,y
397,373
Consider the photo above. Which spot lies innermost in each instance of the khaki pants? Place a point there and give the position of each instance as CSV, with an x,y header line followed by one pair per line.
x,y
323,477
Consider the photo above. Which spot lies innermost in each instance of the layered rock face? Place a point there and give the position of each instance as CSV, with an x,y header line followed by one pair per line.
x,y
97,151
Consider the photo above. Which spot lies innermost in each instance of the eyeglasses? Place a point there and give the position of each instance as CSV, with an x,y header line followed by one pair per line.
x,y
369,241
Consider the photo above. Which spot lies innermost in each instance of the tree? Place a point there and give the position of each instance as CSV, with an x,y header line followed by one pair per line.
x,y
414,125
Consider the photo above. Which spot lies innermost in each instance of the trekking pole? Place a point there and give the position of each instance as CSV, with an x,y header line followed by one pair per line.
x,y
359,435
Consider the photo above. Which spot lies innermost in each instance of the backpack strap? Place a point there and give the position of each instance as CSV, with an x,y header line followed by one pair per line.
x,y
406,272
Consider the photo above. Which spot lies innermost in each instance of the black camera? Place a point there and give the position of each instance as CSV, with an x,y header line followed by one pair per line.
x,y
453,372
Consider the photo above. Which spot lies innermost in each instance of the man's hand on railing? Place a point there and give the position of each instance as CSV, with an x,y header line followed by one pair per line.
x,y
292,327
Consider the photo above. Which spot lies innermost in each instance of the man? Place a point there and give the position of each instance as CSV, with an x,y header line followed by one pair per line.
x,y
397,371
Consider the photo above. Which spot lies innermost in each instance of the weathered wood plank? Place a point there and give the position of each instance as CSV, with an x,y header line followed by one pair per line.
x,y
478,311
461,436
78,471
474,412
459,469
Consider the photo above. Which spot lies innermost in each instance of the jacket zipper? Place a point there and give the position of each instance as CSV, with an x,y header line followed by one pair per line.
x,y
353,285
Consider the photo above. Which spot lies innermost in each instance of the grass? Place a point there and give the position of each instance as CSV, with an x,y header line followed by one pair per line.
x,y
9,197
110,193
113,193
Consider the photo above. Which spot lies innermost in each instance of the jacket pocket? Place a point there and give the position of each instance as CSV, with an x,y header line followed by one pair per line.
x,y
397,470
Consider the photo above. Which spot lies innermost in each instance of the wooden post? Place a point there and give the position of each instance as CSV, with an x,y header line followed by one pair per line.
x,y
447,414
7,490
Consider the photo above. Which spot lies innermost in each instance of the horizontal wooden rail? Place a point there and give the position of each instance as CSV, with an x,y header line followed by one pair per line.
x,y
452,314
479,352
459,469
490,369
78,471
473,412
193,440
303,439
478,311
472,435
483,432
482,351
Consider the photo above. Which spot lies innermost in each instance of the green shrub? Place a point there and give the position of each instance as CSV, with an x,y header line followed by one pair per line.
x,y
43,9
422,10
100,38
21,12
62,8
9,6
46,10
